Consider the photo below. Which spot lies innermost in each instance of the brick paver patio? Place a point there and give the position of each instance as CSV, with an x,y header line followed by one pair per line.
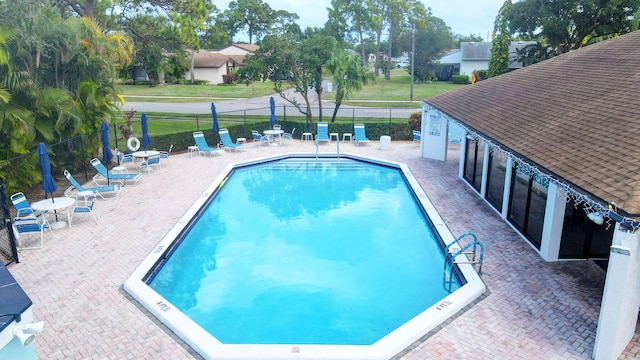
x,y
532,309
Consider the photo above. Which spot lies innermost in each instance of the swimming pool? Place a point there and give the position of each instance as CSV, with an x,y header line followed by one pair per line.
x,y
250,253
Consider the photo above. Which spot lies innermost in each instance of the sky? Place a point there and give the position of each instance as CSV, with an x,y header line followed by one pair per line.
x,y
465,17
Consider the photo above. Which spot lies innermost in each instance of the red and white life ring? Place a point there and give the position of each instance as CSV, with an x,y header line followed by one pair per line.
x,y
133,143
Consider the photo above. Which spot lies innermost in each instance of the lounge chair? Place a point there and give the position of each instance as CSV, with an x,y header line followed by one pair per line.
x,y
227,142
203,147
23,209
113,189
29,226
104,175
323,132
360,137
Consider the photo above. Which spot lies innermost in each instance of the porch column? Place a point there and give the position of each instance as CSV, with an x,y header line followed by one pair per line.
x,y
553,223
621,297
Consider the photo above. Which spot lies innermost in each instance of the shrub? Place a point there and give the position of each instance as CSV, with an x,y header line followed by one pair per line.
x,y
228,78
482,73
415,121
460,79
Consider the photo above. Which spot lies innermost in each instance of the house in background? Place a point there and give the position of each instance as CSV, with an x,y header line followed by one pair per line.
x,y
555,154
212,65
476,56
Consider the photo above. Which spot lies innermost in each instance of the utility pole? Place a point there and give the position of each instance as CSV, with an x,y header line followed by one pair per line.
x,y
413,51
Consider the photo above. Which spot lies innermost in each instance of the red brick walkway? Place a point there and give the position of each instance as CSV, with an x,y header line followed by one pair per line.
x,y
532,310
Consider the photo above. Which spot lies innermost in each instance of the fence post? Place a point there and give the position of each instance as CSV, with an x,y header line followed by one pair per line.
x,y
389,131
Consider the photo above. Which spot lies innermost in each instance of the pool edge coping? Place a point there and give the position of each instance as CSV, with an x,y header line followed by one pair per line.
x,y
391,344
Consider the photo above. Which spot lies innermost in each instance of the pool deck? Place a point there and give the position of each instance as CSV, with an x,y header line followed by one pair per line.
x,y
532,309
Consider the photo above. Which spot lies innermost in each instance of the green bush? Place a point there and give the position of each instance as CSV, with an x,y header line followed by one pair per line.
x,y
460,79
482,73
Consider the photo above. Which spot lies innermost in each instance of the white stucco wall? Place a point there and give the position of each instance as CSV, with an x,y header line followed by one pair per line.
x,y
212,75
468,66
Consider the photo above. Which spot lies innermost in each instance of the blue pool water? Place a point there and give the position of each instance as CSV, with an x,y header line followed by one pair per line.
x,y
305,252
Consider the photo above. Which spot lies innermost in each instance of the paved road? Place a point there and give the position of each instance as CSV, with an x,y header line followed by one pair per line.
x,y
260,106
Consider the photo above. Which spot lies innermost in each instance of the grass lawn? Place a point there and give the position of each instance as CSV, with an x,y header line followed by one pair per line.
x,y
194,93
383,93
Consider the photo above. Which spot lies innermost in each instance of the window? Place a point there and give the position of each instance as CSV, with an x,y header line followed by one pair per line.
x,y
473,163
527,203
495,179
581,237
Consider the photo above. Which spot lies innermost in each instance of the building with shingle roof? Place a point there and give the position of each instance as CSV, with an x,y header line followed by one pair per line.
x,y
212,65
553,149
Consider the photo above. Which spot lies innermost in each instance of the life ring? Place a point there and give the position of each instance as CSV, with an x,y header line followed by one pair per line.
x,y
133,143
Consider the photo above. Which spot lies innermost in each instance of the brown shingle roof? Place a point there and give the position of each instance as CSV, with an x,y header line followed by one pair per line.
x,y
576,115
248,47
208,59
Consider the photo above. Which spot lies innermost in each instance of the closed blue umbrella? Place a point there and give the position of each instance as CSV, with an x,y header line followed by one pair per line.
x,y
216,126
48,184
272,105
106,150
146,140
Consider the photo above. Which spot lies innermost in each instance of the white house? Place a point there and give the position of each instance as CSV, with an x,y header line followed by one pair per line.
x,y
474,56
212,65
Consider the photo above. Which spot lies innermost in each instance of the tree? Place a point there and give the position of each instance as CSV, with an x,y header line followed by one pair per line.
x,y
459,38
253,16
431,42
60,74
291,59
157,26
351,17
499,63
570,24
404,17
317,49
348,75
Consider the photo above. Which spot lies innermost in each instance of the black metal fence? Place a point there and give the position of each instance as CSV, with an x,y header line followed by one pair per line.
x,y
24,174
8,247
378,121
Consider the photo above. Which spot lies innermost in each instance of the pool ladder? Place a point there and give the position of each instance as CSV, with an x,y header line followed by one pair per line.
x,y
473,249
337,148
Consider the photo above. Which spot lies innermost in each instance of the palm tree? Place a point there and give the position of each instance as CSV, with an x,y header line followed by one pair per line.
x,y
348,75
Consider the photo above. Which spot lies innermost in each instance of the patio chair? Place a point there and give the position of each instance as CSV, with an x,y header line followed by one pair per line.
x,y
124,158
166,154
104,174
288,136
360,137
277,127
203,147
323,132
29,226
113,189
416,135
227,143
23,209
153,162
259,137
84,205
